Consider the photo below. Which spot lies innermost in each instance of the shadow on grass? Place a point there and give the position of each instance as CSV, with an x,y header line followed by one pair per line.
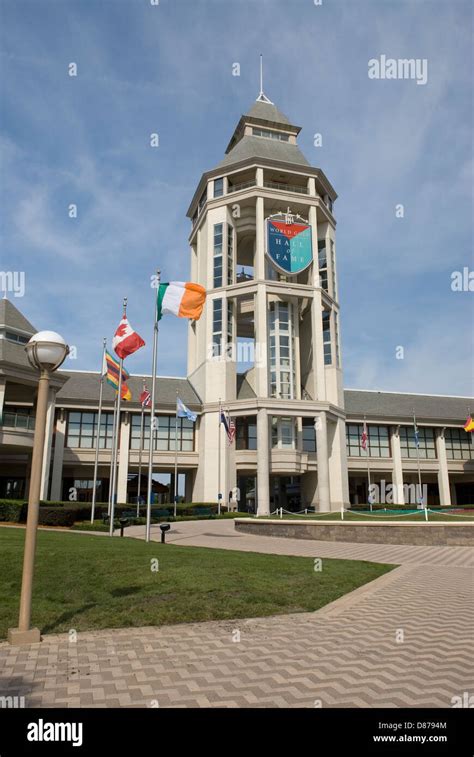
x,y
125,591
49,628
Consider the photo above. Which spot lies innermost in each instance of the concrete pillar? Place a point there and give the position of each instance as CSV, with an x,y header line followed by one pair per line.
x,y
443,474
338,473
312,186
397,470
323,462
60,440
259,177
3,386
123,459
188,486
319,390
261,342
48,440
259,262
263,464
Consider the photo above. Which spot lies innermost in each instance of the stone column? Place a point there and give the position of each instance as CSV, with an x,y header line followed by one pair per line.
x,y
259,262
123,459
263,463
56,488
261,342
3,385
443,474
259,177
338,473
316,317
48,444
323,462
397,470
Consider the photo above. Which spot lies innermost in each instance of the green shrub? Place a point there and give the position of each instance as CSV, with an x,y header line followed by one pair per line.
x,y
13,511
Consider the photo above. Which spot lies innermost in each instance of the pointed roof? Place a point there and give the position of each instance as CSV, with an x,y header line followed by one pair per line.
x,y
10,317
267,112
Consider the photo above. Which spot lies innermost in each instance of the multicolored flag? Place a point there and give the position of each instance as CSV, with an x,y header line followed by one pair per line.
x,y
364,438
469,425
181,298
125,392
113,370
145,398
183,412
126,341
224,422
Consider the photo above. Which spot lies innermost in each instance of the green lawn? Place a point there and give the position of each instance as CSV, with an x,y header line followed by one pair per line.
x,y
88,582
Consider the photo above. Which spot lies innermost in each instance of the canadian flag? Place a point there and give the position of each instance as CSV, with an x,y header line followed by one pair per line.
x,y
126,341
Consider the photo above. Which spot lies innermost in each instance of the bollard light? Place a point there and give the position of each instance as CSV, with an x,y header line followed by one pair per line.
x,y
164,527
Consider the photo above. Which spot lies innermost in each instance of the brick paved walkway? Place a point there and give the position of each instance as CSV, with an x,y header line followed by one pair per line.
x,y
346,654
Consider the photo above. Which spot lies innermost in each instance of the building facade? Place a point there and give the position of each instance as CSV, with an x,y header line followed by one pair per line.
x,y
266,350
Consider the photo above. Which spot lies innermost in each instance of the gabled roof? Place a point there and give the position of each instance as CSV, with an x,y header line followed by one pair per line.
x,y
10,317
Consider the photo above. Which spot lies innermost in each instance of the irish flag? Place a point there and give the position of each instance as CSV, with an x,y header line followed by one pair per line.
x,y
181,298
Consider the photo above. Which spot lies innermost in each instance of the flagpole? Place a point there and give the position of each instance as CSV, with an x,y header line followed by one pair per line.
x,y
117,424
417,444
367,452
152,410
219,494
112,456
139,485
176,455
96,461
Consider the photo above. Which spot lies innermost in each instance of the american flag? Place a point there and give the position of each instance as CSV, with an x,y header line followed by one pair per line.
x,y
231,431
364,437
145,397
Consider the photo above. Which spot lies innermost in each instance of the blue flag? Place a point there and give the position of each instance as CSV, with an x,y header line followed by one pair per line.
x,y
184,412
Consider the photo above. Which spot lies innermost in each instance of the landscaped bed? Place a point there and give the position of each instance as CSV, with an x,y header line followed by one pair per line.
x,y
85,582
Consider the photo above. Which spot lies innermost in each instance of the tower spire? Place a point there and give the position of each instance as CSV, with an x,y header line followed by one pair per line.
x,y
262,98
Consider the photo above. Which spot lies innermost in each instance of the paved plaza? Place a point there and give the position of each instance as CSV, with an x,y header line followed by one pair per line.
x,y
404,640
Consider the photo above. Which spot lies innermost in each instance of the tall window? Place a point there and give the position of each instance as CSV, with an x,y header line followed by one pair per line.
x,y
218,234
309,435
217,327
230,255
246,432
218,187
283,433
333,267
459,444
164,437
282,361
230,327
327,337
203,200
426,439
336,339
82,430
378,444
323,264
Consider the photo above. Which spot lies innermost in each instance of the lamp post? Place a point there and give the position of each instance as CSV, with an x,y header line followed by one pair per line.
x,y
46,351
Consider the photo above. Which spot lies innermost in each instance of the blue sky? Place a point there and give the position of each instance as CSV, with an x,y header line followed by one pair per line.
x,y
168,69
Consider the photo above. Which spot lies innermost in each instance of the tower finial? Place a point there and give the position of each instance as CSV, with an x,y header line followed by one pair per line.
x,y
262,98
